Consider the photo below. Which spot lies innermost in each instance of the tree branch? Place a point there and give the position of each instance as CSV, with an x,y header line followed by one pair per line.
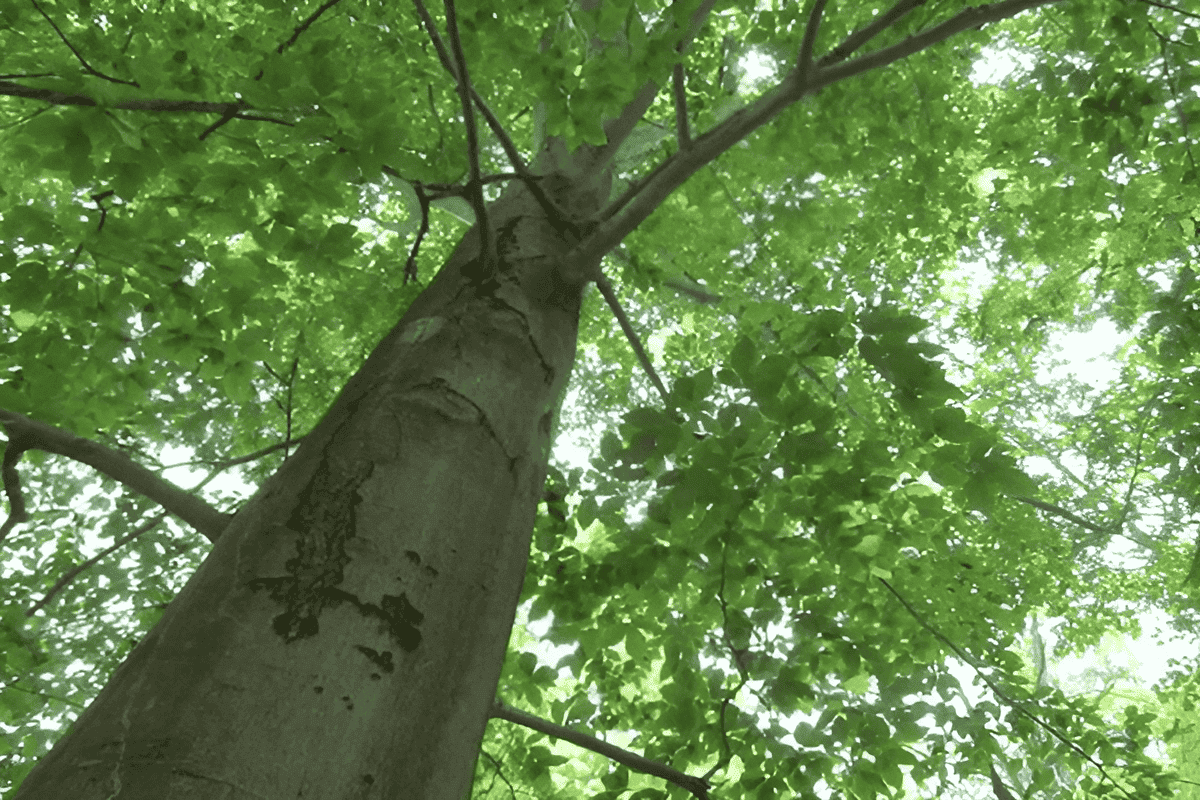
x,y
257,454
681,114
17,512
804,60
674,171
697,786
1062,512
610,297
70,574
28,434
91,70
683,284
870,30
475,186
155,104
686,285
506,142
226,115
1170,7
968,18
303,26
1018,706
618,130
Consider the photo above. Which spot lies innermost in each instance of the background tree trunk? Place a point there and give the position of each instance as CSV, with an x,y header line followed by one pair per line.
x,y
345,636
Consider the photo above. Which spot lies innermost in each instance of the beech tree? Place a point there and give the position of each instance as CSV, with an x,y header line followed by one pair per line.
x,y
718,244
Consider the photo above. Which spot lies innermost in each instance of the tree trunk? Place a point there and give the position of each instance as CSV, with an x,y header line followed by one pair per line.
x,y
345,635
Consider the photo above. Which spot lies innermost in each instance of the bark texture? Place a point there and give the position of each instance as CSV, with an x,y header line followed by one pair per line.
x,y
345,635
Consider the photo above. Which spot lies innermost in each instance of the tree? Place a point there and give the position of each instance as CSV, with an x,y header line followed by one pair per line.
x,y
206,210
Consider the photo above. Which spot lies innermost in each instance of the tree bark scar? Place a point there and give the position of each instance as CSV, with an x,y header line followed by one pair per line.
x,y
506,241
323,522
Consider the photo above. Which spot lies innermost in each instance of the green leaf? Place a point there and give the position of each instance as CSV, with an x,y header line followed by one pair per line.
x,y
191,300
743,359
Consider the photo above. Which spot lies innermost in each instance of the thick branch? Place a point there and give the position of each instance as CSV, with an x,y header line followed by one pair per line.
x,y
618,130
871,30
697,786
31,434
154,104
804,60
672,173
681,113
1062,512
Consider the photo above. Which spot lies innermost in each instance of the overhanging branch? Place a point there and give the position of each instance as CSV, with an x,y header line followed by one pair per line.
x,y
153,104
872,29
30,434
610,297
682,134
475,186
672,173
617,130
70,574
506,142
804,60
1060,511
78,56
697,786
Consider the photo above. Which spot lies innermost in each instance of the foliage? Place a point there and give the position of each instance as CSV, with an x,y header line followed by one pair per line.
x,y
777,583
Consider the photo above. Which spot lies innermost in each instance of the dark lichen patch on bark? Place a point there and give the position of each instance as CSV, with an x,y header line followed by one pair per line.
x,y
323,521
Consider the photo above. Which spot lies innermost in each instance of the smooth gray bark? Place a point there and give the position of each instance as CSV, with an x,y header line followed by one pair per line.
x,y
345,636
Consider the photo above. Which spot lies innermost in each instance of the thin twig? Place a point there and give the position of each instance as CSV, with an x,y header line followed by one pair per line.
x,y
231,462
1170,7
1059,511
303,26
98,199
226,115
1012,702
410,266
70,574
610,297
92,70
487,257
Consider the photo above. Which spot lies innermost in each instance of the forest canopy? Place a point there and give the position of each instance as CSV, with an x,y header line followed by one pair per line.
x,y
837,515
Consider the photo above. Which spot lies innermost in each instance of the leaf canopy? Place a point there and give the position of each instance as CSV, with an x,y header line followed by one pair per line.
x,y
873,475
